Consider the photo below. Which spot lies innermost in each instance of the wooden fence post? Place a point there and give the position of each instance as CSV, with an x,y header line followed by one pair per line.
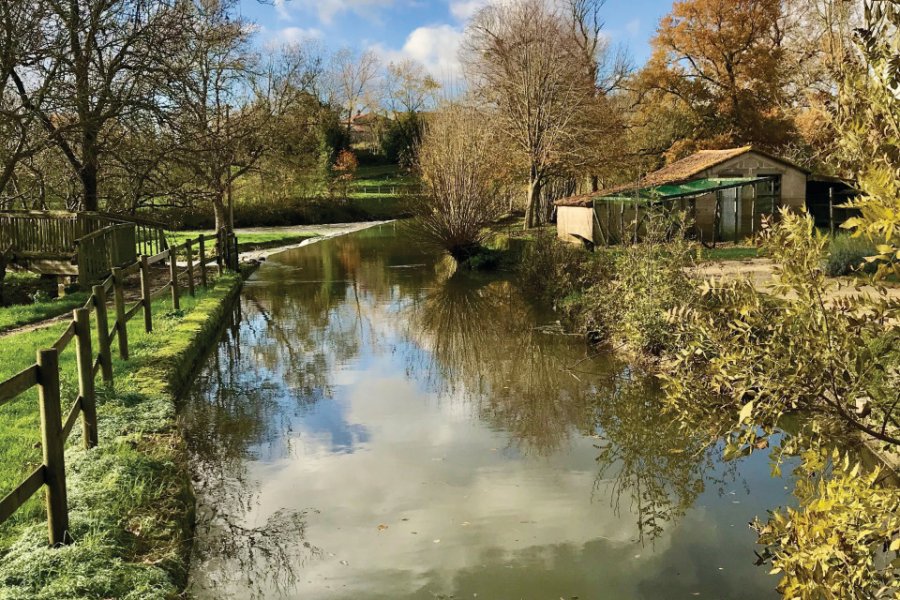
x,y
86,389
831,210
220,251
236,256
103,333
202,250
119,301
146,300
190,266
173,275
52,445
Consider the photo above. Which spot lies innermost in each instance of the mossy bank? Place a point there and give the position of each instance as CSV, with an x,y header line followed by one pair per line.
x,y
130,500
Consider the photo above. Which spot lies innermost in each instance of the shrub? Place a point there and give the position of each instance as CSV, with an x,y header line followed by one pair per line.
x,y
847,254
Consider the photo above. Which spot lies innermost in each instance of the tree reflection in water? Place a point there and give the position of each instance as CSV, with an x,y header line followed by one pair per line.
x,y
222,431
541,388
351,303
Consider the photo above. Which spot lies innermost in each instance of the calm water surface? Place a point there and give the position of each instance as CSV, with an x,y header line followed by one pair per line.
x,y
371,428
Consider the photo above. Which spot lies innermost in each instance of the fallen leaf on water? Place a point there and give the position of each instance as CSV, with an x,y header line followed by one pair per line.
x,y
382,527
437,541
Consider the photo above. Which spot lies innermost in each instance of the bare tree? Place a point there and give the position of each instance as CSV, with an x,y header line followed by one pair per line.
x,y
539,64
226,99
106,66
352,81
459,162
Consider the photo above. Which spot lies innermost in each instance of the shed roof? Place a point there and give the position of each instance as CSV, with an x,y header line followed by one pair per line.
x,y
679,172
696,187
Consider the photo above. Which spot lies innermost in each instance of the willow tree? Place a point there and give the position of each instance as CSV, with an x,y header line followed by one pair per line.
x,y
538,68
459,161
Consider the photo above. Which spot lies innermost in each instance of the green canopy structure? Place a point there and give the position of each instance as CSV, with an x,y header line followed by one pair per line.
x,y
677,191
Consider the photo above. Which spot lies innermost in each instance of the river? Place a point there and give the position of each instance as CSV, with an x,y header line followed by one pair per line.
x,y
371,428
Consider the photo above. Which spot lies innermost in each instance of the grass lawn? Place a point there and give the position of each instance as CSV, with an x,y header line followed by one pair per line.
x,y
728,253
247,242
24,314
128,499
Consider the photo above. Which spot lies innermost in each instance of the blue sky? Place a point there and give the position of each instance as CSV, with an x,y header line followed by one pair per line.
x,y
426,30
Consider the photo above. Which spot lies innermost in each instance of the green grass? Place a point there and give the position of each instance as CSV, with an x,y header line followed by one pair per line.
x,y
129,498
25,314
247,242
726,253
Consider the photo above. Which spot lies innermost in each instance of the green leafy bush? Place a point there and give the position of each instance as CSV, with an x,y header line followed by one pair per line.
x,y
841,539
847,254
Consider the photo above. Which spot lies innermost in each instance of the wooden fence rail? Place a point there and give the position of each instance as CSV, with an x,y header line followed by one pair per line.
x,y
44,374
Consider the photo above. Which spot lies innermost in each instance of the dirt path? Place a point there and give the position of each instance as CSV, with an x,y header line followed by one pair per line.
x,y
761,272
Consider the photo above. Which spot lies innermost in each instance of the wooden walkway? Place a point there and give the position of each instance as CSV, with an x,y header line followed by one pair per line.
x,y
86,245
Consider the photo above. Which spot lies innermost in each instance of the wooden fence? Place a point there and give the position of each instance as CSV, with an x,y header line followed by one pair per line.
x,y
45,373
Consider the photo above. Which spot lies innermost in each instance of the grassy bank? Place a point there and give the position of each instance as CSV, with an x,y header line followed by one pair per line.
x,y
129,499
247,242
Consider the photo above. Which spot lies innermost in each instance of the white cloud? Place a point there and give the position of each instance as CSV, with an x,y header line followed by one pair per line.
x,y
282,10
435,46
329,9
633,27
295,35
465,9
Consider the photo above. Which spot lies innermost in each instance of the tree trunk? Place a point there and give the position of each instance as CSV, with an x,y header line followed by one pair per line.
x,y
533,202
90,165
221,211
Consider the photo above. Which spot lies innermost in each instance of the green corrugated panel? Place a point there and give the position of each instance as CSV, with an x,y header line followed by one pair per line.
x,y
697,187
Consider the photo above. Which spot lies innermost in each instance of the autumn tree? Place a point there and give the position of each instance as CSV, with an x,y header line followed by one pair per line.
x,y
722,62
531,62
870,130
408,90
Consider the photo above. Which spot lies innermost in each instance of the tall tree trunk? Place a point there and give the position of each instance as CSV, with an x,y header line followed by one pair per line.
x,y
220,210
533,203
90,165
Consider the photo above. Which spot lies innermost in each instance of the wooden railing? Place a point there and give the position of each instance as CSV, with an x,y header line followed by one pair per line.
x,y
45,372
45,233
57,234
99,252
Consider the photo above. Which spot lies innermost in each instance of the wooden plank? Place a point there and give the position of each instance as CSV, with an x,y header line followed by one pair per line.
x,y
158,257
164,290
53,448
86,389
121,323
129,314
21,494
72,418
21,382
63,341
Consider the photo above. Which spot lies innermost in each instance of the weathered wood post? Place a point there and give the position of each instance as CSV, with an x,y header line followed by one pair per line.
x,y
831,209
105,351
753,212
86,376
236,256
119,302
146,299
608,223
637,220
202,250
220,250
736,215
173,276
717,218
52,446
622,233
189,250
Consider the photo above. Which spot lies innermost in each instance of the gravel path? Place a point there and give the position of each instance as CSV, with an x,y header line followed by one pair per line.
x,y
761,272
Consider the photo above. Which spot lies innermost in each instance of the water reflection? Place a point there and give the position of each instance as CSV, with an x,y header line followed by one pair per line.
x,y
374,428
